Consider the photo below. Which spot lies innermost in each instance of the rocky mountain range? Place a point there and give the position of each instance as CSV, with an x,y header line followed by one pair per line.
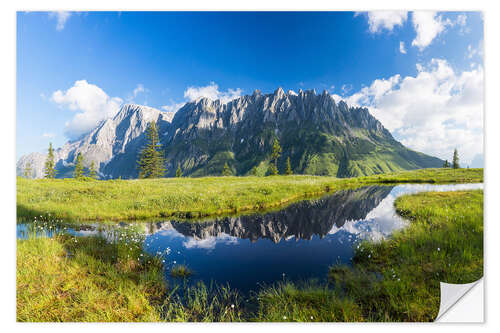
x,y
320,135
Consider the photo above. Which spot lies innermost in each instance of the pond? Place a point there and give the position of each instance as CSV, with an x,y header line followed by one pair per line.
x,y
296,243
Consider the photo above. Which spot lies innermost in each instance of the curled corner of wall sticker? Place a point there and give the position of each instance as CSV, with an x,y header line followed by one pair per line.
x,y
462,303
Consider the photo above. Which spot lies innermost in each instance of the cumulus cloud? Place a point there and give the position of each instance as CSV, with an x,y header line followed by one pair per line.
x,y
428,25
212,92
90,102
381,19
402,47
61,17
434,111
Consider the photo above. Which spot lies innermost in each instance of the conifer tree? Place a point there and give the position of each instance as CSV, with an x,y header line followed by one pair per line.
x,y
226,171
28,170
288,169
151,162
178,172
50,171
455,159
78,173
92,170
446,164
275,155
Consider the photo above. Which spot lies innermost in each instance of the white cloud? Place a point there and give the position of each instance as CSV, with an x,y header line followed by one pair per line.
x,y
209,242
173,107
427,25
381,19
402,47
139,89
212,92
461,20
90,102
346,88
433,112
48,135
61,17
472,51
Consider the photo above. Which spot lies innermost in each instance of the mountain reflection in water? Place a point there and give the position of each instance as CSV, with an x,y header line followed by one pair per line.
x,y
302,220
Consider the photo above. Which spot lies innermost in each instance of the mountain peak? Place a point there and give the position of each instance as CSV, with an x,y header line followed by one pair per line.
x,y
279,92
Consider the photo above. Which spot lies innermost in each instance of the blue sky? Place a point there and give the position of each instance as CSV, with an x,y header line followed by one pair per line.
x,y
421,73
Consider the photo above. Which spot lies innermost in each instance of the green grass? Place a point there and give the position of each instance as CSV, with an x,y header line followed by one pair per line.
x,y
75,200
396,279
180,271
287,302
86,279
200,303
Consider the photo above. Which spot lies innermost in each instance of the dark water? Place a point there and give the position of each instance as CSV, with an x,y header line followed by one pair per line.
x,y
297,243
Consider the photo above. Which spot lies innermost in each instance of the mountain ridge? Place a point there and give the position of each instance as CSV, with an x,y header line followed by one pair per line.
x,y
319,135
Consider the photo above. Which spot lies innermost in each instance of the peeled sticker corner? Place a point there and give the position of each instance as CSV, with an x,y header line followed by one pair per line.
x,y
455,306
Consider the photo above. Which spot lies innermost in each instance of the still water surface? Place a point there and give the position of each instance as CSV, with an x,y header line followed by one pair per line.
x,y
296,243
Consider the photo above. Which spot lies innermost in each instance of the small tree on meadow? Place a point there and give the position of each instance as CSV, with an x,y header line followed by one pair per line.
x,y
178,172
49,168
288,170
455,159
92,170
275,155
28,170
446,164
226,171
151,161
78,173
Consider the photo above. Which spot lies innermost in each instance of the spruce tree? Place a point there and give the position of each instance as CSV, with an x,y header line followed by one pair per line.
x,y
455,160
446,164
28,170
50,171
151,162
178,172
92,170
288,169
78,173
275,155
226,171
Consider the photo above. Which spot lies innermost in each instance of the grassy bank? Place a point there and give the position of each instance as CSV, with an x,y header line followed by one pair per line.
x,y
86,279
196,197
397,279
